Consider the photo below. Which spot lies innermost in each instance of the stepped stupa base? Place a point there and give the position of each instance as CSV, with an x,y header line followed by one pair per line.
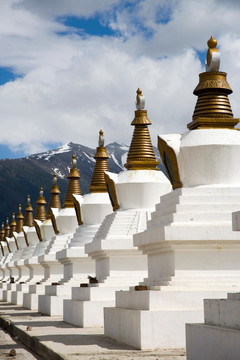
x,y
155,319
193,253
51,303
219,337
30,299
85,308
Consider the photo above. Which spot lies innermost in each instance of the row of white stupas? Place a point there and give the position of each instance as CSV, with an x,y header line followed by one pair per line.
x,y
132,255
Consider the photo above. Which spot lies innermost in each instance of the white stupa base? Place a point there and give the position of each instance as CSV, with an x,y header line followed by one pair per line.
x,y
53,269
77,266
207,342
30,299
7,293
76,271
85,308
219,337
154,319
5,274
23,271
36,270
51,303
192,254
2,289
14,272
17,295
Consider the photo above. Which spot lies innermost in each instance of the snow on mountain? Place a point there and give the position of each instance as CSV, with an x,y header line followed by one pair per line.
x,y
47,155
20,177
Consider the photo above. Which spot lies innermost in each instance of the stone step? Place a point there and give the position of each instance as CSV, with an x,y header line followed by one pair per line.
x,y
222,312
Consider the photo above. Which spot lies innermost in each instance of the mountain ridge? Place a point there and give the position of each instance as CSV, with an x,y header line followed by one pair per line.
x,y
23,176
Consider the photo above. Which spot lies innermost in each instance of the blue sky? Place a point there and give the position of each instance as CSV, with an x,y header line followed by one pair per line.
x,y
69,68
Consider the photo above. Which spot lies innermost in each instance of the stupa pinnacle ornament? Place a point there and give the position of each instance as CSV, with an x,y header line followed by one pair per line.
x,y
98,183
28,213
7,229
2,232
41,211
141,155
7,233
212,62
140,100
20,219
213,109
13,225
55,198
73,186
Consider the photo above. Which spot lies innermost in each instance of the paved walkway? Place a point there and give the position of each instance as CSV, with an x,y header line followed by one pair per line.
x,y
7,344
53,339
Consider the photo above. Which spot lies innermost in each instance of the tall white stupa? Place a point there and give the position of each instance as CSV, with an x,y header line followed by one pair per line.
x,y
133,194
192,251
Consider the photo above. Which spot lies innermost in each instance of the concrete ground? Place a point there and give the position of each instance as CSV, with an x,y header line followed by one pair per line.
x,y
8,344
51,338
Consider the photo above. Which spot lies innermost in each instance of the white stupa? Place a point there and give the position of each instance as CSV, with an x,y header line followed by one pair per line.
x,y
64,224
21,244
192,251
44,229
91,209
119,264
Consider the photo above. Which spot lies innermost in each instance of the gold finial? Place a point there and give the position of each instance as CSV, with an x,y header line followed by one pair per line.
x,y
2,232
98,183
55,198
7,229
74,161
101,139
20,219
140,100
7,233
212,43
141,155
54,179
73,185
41,211
28,213
213,109
13,225
213,55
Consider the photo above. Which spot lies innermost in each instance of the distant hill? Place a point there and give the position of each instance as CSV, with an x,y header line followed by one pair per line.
x,y
20,177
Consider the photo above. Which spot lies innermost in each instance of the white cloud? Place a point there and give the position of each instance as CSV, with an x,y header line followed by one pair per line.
x,y
73,86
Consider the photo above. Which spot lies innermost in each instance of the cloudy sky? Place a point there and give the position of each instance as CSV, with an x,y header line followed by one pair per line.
x,y
71,67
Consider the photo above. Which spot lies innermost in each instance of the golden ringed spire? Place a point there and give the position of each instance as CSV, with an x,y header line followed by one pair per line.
x,y
141,155
73,185
98,183
55,198
40,210
20,219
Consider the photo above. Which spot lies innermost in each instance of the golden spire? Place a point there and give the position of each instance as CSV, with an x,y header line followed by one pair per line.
x,y
41,211
7,233
55,198
141,155
2,236
28,213
73,185
98,183
213,109
7,229
2,232
20,219
13,225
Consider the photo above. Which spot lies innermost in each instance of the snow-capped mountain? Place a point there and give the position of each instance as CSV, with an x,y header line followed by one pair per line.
x,y
20,177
